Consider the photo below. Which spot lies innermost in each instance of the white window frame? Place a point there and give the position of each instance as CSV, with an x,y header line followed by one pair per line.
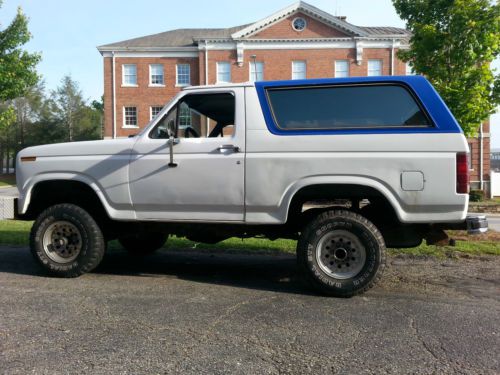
x,y
179,84
151,84
151,116
409,69
124,83
295,71
125,126
381,70
338,72
223,63
251,70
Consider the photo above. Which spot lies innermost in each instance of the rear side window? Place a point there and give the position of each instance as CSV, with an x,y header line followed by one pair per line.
x,y
345,107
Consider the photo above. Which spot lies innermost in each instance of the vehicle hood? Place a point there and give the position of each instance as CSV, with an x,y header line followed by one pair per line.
x,y
102,147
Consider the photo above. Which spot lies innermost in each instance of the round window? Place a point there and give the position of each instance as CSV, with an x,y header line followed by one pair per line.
x,y
299,24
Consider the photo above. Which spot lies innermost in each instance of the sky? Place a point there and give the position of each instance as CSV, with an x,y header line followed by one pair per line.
x,y
67,32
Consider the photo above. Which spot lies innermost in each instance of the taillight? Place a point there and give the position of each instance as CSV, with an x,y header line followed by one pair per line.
x,y
462,173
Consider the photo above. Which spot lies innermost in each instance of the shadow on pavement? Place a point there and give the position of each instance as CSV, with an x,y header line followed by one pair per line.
x,y
253,271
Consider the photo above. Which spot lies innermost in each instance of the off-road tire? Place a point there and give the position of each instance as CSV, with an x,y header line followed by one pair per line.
x,y
92,243
332,223
141,244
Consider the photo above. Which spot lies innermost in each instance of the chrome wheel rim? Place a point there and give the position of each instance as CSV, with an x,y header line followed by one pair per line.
x,y
62,242
340,254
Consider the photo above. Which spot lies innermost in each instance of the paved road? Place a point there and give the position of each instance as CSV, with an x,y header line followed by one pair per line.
x,y
494,222
198,313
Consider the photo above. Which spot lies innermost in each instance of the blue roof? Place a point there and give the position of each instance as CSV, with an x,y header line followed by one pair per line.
x,y
442,118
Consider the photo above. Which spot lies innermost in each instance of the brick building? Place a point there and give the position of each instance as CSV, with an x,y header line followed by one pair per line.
x,y
300,41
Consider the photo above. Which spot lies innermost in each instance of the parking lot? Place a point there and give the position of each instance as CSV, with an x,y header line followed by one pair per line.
x,y
200,312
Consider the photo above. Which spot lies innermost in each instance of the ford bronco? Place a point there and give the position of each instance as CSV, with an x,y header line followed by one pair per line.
x,y
346,166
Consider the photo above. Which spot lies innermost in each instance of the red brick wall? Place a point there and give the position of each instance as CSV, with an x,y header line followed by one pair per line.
x,y
284,30
320,63
143,96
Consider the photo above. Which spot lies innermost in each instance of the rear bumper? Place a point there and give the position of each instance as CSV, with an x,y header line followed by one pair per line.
x,y
473,224
476,224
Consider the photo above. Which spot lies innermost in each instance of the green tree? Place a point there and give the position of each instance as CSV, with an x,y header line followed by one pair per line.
x,y
81,121
17,74
453,44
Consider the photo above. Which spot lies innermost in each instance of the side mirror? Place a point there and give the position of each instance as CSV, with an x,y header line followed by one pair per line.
x,y
171,129
171,142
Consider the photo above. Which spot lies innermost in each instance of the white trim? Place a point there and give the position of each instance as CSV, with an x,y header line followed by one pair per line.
x,y
299,18
305,68
251,77
113,62
151,111
381,67
152,53
124,84
124,126
177,84
162,76
347,61
228,63
295,8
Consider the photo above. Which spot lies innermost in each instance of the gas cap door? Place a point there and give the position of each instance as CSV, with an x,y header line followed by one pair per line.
x,y
412,181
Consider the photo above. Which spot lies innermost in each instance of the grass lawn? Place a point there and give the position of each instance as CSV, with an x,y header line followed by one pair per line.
x,y
17,233
7,180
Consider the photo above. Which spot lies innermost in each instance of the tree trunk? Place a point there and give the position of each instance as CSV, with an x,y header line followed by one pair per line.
x,y
1,158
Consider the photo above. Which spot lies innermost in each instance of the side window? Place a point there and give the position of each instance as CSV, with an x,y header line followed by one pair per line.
x,y
200,116
345,107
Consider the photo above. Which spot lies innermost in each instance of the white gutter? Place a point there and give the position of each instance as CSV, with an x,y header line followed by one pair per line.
x,y
392,58
114,96
206,62
481,153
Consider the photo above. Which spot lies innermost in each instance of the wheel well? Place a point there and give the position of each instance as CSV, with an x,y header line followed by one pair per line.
x,y
49,193
350,196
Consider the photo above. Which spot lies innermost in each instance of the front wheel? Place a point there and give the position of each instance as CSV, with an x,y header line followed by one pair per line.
x,y
66,241
341,253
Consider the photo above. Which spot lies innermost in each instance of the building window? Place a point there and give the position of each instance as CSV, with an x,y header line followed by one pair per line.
x,y
129,75
256,71
299,24
299,70
129,117
183,74
374,68
156,75
409,70
341,68
154,111
223,72
184,116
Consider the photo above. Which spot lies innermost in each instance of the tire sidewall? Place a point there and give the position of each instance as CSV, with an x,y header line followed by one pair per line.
x,y
83,222
348,222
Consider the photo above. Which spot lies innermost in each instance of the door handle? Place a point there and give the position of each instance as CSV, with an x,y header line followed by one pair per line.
x,y
228,148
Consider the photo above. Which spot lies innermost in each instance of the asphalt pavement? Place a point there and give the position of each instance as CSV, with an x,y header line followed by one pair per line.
x,y
201,313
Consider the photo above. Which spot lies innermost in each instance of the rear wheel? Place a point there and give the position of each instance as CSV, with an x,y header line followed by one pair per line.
x,y
66,241
143,243
341,253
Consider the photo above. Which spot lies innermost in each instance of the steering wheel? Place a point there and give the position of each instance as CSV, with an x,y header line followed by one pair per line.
x,y
190,130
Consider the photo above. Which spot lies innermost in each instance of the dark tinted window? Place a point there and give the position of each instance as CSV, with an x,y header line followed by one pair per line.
x,y
340,107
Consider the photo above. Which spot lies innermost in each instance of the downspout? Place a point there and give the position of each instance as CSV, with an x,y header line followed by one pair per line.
x,y
114,96
392,58
481,153
207,125
206,62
